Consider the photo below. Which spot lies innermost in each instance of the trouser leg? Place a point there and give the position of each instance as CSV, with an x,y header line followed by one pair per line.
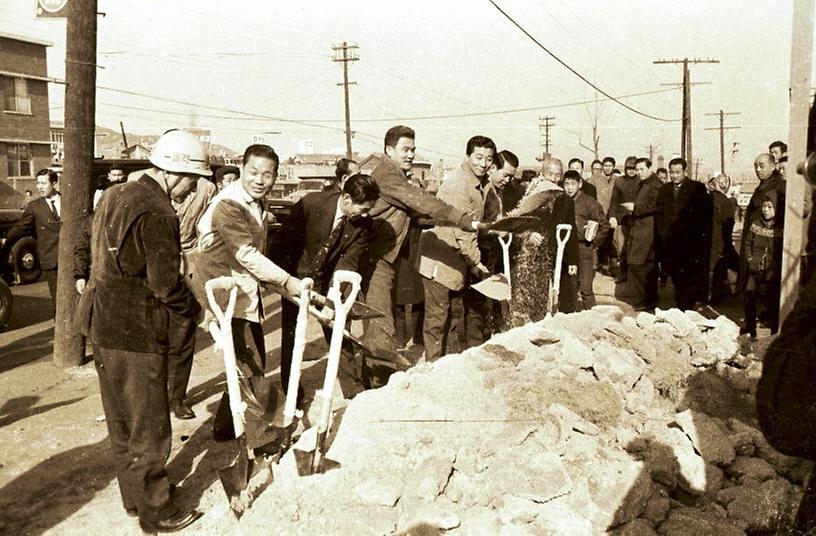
x,y
134,389
50,276
567,293
379,332
475,305
586,275
749,302
180,355
437,308
289,314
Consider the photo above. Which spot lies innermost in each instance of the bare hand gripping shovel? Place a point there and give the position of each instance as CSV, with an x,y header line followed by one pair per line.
x,y
314,462
497,286
562,234
235,477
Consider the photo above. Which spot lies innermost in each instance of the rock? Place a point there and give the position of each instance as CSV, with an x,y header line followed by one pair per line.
x,y
721,345
641,396
763,508
637,527
576,353
756,468
620,488
379,491
613,312
427,515
557,518
782,464
678,320
645,320
715,478
517,510
483,522
617,365
657,507
571,420
691,468
708,437
539,478
692,521
430,476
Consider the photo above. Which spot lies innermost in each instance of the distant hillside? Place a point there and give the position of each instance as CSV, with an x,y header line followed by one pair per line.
x,y
109,143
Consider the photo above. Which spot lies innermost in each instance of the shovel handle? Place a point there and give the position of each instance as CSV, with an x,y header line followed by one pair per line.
x,y
222,334
298,348
341,310
505,245
562,234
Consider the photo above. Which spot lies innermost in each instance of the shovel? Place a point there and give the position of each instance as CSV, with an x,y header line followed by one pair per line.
x,y
314,463
497,287
510,224
562,234
234,477
290,407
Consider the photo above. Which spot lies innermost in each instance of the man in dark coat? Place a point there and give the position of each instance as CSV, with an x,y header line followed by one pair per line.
x,y
326,231
125,309
684,225
41,219
641,250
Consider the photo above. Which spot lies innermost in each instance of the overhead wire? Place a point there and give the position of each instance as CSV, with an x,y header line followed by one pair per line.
x,y
573,71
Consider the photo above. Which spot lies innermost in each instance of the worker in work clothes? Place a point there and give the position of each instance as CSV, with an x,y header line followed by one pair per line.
x,y
134,288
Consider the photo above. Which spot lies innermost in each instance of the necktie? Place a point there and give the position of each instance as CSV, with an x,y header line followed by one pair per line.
x,y
316,267
54,209
676,190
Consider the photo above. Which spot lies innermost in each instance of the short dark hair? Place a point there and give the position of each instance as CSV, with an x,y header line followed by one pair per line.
x,y
50,173
261,151
505,156
678,161
781,144
644,160
608,159
394,134
341,167
596,161
573,160
479,141
782,159
662,170
571,174
226,170
116,166
361,188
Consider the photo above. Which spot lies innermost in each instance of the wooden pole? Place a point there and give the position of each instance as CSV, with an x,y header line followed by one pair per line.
x,y
75,185
796,189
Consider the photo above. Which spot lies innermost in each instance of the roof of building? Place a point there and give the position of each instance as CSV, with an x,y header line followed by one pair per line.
x,y
26,39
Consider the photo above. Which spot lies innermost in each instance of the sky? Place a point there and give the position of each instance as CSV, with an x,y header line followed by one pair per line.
x,y
262,70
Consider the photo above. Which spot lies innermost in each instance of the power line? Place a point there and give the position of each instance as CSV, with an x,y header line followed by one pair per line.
x,y
576,73
722,128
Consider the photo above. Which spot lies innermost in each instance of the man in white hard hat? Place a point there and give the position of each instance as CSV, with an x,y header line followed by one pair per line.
x,y
134,289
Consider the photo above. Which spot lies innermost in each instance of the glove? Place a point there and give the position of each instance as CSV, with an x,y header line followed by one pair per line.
x,y
292,286
572,269
535,238
80,285
472,226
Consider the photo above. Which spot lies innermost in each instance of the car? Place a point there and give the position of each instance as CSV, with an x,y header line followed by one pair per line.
x,y
22,264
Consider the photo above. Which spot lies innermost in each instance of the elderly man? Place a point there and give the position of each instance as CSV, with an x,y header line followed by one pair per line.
x,y
134,289
401,200
684,213
232,241
449,256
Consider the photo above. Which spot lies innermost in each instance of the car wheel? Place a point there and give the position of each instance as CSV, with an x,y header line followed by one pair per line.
x,y
5,303
25,260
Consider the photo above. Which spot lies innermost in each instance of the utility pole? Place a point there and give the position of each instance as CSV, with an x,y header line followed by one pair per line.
x,y
125,152
75,185
722,128
697,168
794,238
650,149
544,124
685,134
345,53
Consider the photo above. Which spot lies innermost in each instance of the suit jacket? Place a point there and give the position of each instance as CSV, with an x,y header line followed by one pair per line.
x,y
624,191
446,253
684,224
305,234
641,244
38,221
722,228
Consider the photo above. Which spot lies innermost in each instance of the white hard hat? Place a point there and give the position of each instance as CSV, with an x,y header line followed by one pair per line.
x,y
180,152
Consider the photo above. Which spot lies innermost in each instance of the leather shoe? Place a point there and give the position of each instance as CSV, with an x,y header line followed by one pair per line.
x,y
181,410
172,523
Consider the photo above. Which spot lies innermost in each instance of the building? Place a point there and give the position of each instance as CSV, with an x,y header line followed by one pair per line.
x,y
25,136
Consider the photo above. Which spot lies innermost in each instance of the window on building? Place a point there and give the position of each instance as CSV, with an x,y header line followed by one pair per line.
x,y
15,95
19,160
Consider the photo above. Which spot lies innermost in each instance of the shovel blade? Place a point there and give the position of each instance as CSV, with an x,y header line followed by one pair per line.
x,y
235,481
494,287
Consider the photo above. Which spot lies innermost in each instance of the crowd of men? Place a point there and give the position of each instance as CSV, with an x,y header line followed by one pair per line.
x,y
155,238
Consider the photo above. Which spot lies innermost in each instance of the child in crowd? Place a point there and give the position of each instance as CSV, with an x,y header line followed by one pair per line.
x,y
764,250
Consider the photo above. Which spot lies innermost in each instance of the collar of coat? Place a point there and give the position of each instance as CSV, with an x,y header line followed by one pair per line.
x,y
474,181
